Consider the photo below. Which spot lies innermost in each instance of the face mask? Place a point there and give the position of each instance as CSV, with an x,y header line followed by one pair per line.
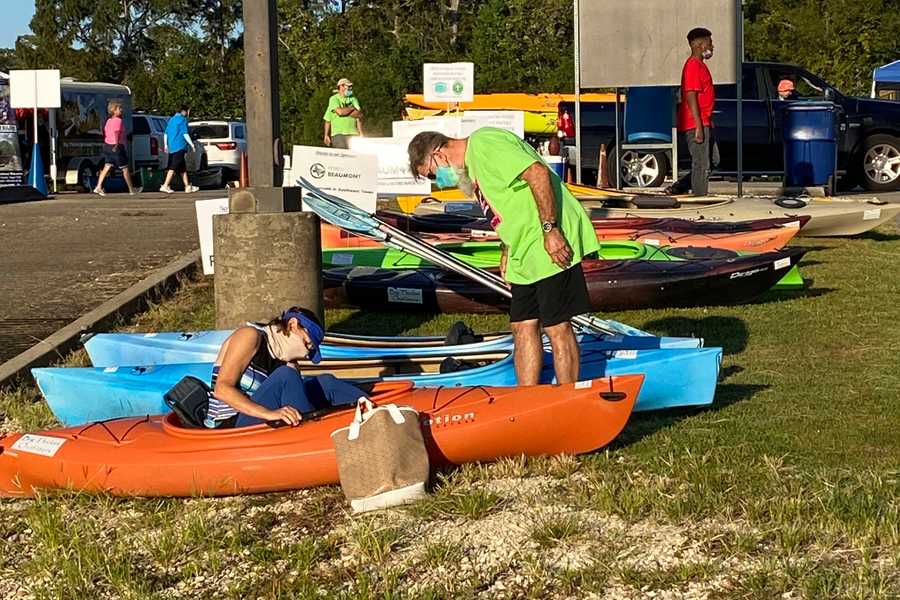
x,y
446,177
707,54
348,93
284,347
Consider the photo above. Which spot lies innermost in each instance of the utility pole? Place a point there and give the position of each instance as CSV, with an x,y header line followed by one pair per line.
x,y
268,254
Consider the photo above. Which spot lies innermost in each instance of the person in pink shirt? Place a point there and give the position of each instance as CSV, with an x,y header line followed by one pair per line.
x,y
114,152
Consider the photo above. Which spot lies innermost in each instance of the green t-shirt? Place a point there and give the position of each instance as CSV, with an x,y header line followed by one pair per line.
x,y
341,125
495,160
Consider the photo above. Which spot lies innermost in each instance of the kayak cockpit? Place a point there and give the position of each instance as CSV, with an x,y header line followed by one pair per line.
x,y
379,392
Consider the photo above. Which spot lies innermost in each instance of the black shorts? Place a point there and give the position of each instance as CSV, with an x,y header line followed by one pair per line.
x,y
177,162
552,300
115,155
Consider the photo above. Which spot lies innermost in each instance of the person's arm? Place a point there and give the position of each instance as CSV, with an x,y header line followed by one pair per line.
x,y
538,178
504,255
190,142
694,106
166,142
327,138
241,347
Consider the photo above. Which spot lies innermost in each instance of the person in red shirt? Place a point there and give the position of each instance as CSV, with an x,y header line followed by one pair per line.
x,y
698,98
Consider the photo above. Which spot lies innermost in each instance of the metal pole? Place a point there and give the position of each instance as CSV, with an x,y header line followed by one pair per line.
x,y
618,153
740,98
261,83
577,45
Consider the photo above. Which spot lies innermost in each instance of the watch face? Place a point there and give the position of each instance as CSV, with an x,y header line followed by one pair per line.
x,y
547,227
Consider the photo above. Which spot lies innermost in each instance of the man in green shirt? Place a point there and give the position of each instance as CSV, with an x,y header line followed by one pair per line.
x,y
343,117
544,229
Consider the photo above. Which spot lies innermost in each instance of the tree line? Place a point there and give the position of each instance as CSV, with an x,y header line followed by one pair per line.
x,y
174,51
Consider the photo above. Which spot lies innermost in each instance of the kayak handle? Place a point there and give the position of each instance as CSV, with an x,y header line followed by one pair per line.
x,y
613,396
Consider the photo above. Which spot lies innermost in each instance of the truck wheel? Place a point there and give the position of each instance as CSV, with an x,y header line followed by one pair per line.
x,y
880,163
87,176
639,169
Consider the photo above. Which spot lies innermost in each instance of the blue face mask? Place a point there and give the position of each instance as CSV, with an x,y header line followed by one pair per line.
x,y
446,177
348,94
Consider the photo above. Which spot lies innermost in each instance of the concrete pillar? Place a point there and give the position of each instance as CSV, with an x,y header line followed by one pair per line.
x,y
268,254
264,264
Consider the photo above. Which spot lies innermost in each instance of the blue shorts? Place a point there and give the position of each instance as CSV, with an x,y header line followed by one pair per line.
x,y
115,155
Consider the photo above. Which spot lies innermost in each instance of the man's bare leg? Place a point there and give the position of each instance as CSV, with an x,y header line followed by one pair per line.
x,y
529,352
566,353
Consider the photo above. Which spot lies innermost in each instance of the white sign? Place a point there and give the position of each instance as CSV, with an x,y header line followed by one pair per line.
x,y
464,126
449,126
394,176
348,175
205,211
43,445
511,120
449,82
401,295
34,88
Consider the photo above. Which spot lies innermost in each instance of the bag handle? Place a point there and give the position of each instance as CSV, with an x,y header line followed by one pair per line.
x,y
362,416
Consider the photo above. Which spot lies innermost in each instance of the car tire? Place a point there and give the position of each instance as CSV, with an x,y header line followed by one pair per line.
x,y
639,169
878,165
87,173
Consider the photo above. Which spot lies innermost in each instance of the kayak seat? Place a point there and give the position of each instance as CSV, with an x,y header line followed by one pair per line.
x,y
655,202
701,253
460,333
454,365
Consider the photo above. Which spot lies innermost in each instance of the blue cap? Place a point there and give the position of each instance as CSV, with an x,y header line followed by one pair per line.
x,y
315,331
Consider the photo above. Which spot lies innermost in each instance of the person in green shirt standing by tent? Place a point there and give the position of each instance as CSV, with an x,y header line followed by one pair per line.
x,y
343,117
544,230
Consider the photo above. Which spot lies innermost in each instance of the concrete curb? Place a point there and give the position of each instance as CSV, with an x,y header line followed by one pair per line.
x,y
133,300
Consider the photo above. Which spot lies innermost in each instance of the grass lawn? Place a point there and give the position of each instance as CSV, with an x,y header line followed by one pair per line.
x,y
788,486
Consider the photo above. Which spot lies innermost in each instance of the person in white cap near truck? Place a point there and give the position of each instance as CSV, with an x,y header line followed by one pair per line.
x,y
343,117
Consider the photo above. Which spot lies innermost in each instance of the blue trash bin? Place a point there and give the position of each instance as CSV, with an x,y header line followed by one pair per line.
x,y
810,145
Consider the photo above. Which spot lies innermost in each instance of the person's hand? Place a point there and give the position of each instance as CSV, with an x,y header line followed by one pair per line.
x,y
288,414
698,135
558,248
503,256
327,140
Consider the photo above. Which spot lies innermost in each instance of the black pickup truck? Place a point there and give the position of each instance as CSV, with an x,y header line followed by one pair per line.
x,y
868,146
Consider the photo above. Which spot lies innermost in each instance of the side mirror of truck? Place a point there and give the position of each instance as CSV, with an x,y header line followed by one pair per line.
x,y
829,94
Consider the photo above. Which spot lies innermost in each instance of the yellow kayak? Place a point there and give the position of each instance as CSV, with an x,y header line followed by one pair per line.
x,y
540,109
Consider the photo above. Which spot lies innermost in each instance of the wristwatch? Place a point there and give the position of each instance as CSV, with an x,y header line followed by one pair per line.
x,y
547,226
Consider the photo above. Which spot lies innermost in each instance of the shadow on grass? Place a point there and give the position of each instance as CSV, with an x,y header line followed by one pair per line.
x,y
779,295
879,237
364,322
730,333
642,425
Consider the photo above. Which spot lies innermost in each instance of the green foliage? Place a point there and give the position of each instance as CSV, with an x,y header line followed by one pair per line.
x,y
841,40
174,51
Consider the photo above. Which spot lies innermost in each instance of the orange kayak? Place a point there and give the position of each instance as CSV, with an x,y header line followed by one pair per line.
x,y
767,235
155,456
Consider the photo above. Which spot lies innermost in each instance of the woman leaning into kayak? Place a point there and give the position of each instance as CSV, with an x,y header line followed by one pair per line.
x,y
269,354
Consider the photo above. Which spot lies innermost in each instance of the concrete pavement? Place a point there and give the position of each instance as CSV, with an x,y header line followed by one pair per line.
x,y
62,257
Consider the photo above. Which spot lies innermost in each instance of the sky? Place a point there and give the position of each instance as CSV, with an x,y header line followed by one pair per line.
x,y
16,16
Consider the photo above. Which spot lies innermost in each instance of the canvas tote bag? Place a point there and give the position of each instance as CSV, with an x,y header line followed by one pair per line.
x,y
381,457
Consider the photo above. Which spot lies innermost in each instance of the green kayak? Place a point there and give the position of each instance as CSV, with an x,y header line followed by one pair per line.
x,y
486,255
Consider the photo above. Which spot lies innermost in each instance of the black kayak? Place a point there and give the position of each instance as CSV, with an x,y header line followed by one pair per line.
x,y
707,279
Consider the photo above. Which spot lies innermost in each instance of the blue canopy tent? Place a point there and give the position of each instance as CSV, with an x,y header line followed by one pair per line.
x,y
886,81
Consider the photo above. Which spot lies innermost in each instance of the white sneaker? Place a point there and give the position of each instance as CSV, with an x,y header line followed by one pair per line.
x,y
166,189
135,191
191,189
99,191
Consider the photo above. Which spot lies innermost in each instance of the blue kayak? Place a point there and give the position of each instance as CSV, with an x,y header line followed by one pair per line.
x,y
112,349
674,377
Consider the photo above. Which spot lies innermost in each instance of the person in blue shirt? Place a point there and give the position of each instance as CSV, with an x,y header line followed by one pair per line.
x,y
176,142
